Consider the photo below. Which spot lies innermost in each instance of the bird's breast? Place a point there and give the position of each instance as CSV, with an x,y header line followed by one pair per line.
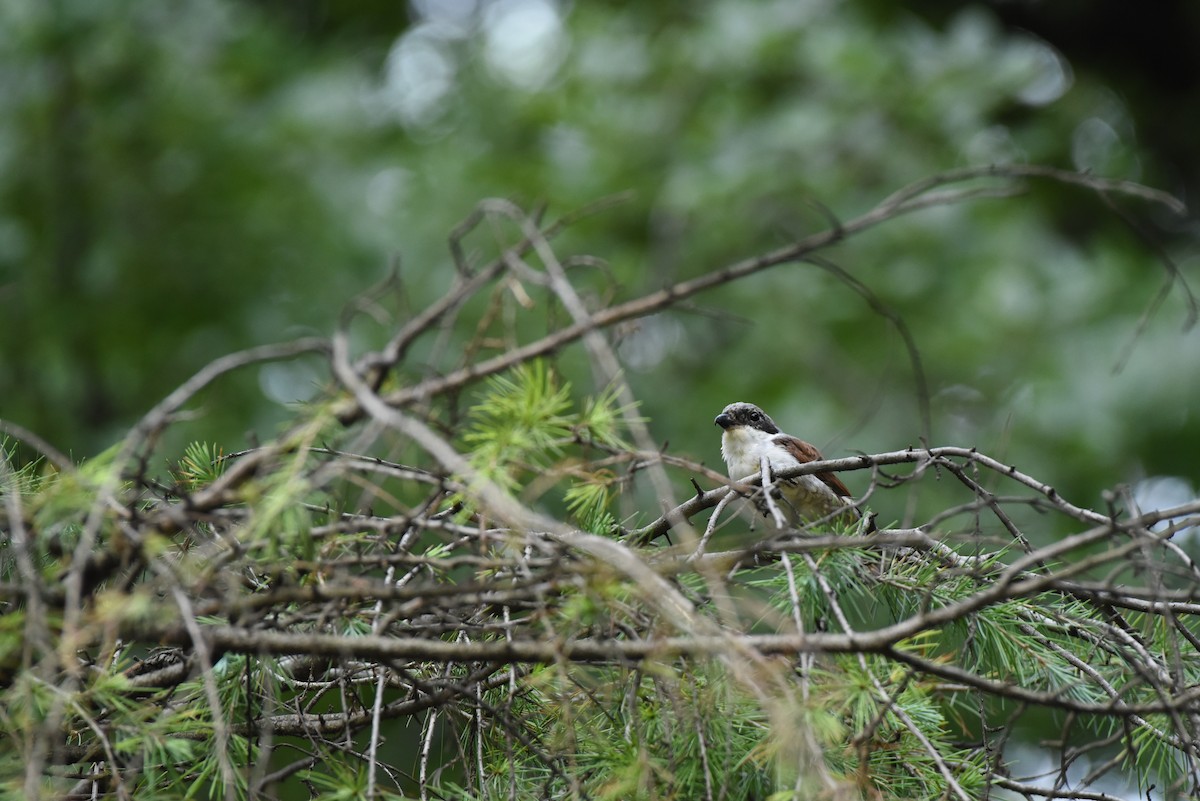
x,y
743,450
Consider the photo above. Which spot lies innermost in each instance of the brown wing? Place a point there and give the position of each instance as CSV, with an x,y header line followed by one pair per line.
x,y
806,452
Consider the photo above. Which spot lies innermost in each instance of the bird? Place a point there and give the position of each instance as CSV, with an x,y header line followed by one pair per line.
x,y
749,435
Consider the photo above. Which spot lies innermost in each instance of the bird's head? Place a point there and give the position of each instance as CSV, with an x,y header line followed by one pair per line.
x,y
740,414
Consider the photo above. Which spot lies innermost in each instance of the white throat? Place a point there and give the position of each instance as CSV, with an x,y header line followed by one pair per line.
x,y
743,448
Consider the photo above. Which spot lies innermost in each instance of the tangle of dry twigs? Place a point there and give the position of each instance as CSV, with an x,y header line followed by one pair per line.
x,y
362,569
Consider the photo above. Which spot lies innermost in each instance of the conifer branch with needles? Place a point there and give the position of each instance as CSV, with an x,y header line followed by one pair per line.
x,y
483,552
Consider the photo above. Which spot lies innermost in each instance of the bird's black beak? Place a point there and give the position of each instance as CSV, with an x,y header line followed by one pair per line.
x,y
723,420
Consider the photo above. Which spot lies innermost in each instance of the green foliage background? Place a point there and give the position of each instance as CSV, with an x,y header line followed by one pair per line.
x,y
182,179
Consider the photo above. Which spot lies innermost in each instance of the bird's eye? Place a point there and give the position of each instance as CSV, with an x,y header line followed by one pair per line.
x,y
755,415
